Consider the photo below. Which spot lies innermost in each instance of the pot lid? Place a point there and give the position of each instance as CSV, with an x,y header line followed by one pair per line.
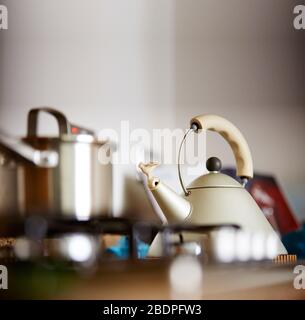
x,y
214,178
73,138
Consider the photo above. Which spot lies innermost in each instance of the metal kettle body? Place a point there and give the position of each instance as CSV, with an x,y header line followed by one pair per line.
x,y
226,205
213,198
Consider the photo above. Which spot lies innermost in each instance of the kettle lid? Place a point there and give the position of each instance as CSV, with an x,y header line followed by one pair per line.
x,y
214,178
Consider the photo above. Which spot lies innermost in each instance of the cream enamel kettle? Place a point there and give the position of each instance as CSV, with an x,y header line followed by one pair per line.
x,y
213,198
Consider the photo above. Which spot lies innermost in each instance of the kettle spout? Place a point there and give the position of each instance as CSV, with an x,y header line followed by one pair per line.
x,y
174,206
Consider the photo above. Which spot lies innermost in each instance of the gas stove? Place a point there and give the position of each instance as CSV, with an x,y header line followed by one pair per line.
x,y
37,237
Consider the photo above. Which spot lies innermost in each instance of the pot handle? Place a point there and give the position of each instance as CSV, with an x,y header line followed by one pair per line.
x,y
63,124
239,145
19,149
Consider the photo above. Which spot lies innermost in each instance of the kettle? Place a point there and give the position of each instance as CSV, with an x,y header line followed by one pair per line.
x,y
213,198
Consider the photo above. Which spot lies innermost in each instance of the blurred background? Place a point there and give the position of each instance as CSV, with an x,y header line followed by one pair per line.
x,y
157,64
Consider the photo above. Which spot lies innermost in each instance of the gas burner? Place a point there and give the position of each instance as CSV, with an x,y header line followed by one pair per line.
x,y
83,242
38,226
36,234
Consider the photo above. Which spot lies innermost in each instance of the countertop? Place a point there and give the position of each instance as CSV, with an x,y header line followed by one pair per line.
x,y
150,280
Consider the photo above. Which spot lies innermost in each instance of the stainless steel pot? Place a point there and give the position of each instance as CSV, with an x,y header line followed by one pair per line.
x,y
60,176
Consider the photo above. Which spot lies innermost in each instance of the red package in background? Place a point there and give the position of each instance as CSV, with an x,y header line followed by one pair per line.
x,y
270,198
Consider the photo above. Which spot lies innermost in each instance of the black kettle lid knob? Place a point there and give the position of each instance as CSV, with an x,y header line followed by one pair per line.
x,y
213,164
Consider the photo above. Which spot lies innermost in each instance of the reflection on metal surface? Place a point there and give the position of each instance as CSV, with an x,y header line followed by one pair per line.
x,y
239,245
26,249
185,276
82,195
22,249
258,246
271,247
193,248
225,245
243,242
78,248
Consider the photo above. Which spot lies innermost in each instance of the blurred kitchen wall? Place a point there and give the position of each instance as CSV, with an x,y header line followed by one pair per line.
x,y
156,64
100,61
